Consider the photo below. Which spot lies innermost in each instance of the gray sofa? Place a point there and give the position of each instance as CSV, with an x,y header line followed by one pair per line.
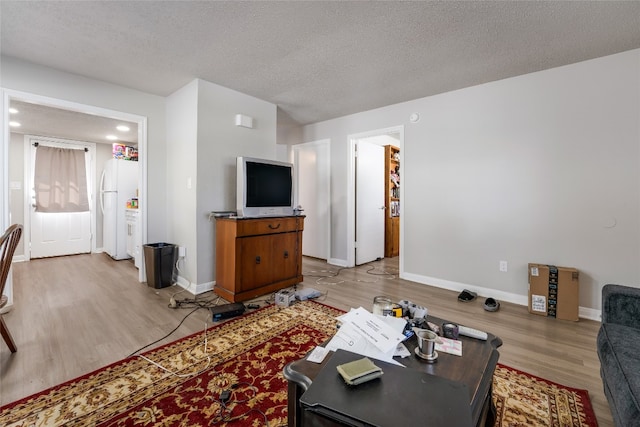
x,y
619,352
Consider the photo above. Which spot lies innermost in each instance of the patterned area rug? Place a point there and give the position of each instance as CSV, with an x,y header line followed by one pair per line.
x,y
247,356
522,399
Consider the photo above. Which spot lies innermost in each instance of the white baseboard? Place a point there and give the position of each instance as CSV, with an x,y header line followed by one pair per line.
x,y
338,262
195,288
584,312
590,313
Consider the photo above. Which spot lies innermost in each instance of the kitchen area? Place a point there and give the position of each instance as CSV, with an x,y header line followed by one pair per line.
x,y
119,205
113,226
113,222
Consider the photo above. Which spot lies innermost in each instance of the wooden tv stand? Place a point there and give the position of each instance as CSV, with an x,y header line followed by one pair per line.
x,y
256,256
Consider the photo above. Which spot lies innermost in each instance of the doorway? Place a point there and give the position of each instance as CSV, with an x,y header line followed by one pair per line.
x,y
60,233
81,110
313,171
371,219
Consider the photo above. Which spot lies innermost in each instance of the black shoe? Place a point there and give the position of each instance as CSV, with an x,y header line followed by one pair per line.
x,y
491,305
466,296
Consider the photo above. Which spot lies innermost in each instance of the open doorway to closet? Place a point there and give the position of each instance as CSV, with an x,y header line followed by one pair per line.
x,y
375,195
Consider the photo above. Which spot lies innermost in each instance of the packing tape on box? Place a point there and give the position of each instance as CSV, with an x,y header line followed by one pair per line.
x,y
553,291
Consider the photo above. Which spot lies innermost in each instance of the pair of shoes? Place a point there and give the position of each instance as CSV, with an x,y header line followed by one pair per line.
x,y
491,304
466,296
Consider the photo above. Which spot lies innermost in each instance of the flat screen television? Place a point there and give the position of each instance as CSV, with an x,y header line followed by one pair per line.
x,y
264,187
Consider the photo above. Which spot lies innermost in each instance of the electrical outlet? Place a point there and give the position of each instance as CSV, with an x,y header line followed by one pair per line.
x,y
182,251
503,266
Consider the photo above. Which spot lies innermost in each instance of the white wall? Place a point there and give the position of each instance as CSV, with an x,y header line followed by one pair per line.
x,y
282,153
538,168
220,141
16,195
26,77
182,140
201,166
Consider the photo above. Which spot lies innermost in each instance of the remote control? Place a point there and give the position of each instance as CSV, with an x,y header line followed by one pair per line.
x,y
473,333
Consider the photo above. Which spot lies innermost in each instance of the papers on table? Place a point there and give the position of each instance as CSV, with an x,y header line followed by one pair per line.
x,y
402,351
369,335
318,354
447,345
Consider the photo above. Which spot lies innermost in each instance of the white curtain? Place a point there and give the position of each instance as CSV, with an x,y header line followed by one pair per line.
x,y
60,180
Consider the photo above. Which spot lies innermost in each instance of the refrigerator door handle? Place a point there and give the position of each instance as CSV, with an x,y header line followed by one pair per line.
x,y
102,192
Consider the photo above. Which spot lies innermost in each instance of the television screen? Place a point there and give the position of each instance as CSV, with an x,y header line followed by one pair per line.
x,y
268,185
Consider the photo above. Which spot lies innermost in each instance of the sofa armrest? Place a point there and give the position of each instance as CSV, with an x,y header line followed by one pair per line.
x,y
621,305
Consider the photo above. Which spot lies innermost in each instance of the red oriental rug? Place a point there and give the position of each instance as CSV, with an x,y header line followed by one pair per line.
x,y
522,399
246,356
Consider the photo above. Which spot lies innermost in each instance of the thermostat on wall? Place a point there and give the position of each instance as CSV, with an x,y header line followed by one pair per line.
x,y
244,121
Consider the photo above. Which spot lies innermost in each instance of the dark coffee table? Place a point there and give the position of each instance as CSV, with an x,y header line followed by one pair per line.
x,y
475,369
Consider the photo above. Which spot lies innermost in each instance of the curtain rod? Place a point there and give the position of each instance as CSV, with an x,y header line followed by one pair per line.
x,y
36,144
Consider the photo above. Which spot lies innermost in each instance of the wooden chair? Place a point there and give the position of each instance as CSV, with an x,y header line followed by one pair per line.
x,y
8,243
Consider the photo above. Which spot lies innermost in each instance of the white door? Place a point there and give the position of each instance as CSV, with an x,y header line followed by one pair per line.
x,y
370,208
313,172
56,234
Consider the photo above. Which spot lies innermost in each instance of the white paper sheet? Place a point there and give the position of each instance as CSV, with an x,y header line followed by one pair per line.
x,y
369,335
376,330
348,338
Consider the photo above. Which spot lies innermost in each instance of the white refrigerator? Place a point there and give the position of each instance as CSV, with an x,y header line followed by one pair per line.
x,y
118,184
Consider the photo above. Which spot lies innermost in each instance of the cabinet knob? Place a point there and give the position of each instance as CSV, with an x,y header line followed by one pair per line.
x,y
274,228
257,260
286,254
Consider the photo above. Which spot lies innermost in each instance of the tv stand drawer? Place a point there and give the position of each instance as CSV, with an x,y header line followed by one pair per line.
x,y
259,226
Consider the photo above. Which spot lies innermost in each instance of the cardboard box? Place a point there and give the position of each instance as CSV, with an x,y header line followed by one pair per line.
x,y
553,291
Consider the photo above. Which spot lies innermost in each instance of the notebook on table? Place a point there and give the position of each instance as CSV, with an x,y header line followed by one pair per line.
x,y
401,396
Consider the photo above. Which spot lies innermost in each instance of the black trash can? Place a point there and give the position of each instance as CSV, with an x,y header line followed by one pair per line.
x,y
160,262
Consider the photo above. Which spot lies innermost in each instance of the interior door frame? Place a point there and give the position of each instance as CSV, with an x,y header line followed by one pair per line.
x,y
9,94
28,178
351,190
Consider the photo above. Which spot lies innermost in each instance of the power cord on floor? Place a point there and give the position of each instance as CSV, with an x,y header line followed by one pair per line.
x,y
323,278
176,374
189,303
332,273
383,273
166,336
224,399
335,273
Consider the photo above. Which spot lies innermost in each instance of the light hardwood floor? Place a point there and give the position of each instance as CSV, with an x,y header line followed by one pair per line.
x,y
76,314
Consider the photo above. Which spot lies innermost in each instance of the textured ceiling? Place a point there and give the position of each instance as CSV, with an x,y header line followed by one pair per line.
x,y
315,60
